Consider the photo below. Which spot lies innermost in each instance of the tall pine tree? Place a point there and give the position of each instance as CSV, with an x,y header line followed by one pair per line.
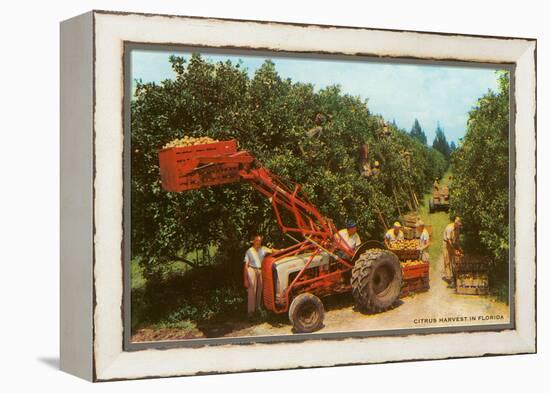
x,y
418,133
440,142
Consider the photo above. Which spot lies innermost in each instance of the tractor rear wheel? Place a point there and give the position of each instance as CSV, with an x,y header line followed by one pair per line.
x,y
306,313
376,280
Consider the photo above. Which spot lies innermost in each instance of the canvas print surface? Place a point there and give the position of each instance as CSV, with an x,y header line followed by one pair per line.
x,y
281,195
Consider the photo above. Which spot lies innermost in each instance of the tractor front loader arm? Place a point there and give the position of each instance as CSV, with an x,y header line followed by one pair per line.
x,y
194,167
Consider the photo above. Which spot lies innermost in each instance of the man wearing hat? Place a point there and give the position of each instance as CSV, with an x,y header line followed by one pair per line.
x,y
450,247
424,240
253,259
394,234
349,236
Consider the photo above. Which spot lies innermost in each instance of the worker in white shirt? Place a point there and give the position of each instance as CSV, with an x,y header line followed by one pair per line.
x,y
451,237
424,240
394,234
253,273
349,238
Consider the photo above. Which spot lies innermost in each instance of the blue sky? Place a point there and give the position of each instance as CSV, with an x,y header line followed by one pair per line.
x,y
400,92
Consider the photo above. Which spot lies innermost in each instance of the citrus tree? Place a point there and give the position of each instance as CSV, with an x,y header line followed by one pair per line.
x,y
480,184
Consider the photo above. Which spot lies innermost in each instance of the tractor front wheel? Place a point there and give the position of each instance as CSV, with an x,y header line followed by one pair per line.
x,y
306,313
376,280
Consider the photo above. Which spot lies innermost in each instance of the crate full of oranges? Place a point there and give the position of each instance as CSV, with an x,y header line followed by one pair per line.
x,y
406,249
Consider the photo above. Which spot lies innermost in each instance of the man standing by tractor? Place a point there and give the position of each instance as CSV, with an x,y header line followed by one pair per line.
x,y
393,235
349,235
451,245
253,273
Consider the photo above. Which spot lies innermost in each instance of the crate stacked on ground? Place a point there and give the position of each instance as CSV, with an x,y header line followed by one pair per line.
x,y
409,219
471,274
416,277
409,222
410,226
416,272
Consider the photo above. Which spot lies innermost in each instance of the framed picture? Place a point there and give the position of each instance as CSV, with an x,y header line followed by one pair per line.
x,y
246,195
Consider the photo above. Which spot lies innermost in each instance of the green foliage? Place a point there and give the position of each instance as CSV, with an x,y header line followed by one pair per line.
x,y
480,184
270,117
418,133
440,142
201,295
452,147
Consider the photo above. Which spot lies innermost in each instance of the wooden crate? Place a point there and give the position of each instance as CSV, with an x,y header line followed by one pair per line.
x,y
175,164
472,284
470,264
416,271
409,219
415,285
416,278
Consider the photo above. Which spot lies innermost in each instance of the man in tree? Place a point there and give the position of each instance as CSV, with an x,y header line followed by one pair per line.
x,y
394,234
375,169
451,245
253,273
365,167
317,131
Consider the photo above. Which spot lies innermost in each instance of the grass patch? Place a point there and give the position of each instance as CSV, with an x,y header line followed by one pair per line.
x,y
185,325
437,220
136,274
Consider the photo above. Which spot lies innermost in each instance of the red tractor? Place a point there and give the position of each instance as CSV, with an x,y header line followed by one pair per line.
x,y
318,264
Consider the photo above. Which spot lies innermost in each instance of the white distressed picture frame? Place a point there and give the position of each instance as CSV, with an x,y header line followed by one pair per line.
x,y
92,140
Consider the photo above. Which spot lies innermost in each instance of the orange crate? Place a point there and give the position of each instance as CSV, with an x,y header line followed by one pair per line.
x,y
416,271
175,163
416,278
472,284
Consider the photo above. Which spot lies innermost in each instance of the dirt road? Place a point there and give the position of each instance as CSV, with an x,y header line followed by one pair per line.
x,y
440,306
